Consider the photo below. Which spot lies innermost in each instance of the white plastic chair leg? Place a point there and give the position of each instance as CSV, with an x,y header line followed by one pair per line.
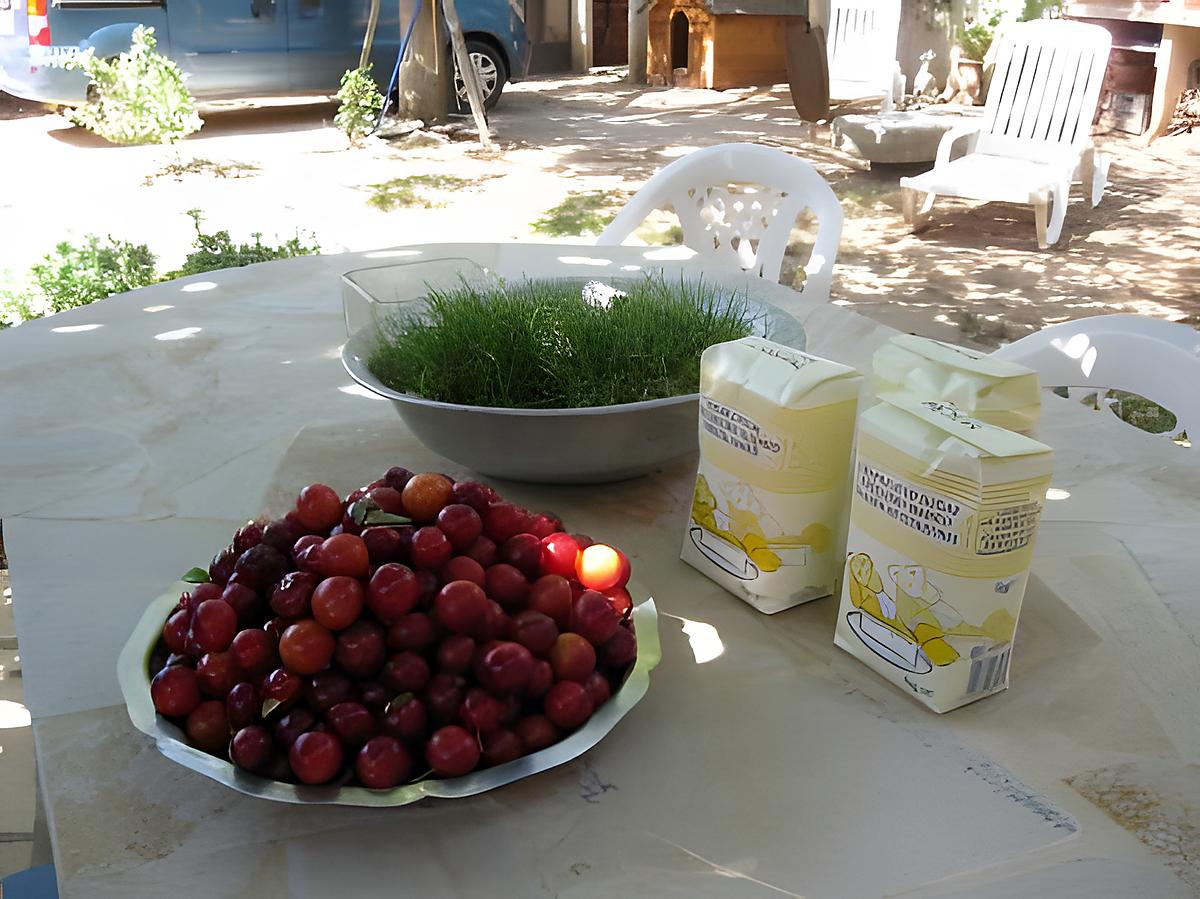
x,y
1049,211
1040,201
1060,196
1093,172
917,216
1099,176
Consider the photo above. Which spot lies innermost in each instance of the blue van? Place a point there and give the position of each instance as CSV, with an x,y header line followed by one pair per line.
x,y
239,48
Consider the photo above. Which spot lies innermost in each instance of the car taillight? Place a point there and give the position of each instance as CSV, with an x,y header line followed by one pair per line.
x,y
39,23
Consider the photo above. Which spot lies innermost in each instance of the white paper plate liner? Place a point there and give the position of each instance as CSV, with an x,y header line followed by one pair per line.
x,y
134,679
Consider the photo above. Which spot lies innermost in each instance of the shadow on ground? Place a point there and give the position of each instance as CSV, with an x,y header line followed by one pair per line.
x,y
976,269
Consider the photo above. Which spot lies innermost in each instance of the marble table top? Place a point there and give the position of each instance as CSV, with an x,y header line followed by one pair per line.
x,y
135,434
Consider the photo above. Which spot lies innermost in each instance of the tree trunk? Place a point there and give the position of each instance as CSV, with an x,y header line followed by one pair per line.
x,y
638,51
425,75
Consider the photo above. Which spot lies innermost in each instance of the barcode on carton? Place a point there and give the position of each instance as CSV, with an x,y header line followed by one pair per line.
x,y
989,672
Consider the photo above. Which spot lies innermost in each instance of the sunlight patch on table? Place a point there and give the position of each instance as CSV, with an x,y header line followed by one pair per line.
x,y
13,714
178,334
75,329
359,390
584,260
703,638
668,253
390,254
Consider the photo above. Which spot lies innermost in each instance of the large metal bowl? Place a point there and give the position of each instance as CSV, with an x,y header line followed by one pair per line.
x,y
555,446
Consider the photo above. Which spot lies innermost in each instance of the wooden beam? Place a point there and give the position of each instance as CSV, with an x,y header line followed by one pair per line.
x,y
468,73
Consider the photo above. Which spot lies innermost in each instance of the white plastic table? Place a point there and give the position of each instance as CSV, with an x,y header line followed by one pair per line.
x,y
135,434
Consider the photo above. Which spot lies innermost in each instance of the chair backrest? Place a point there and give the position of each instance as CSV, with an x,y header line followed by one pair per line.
x,y
1156,359
737,203
860,44
1044,89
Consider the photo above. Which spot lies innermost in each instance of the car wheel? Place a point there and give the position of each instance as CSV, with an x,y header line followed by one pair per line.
x,y
492,75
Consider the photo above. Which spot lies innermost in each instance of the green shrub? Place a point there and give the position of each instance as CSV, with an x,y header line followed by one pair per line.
x,y
73,276
217,251
359,104
976,40
1142,413
1041,9
139,97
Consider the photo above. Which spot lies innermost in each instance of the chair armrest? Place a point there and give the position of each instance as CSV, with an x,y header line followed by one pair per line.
x,y
950,138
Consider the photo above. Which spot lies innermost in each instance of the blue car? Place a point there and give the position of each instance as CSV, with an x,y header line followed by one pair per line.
x,y
239,48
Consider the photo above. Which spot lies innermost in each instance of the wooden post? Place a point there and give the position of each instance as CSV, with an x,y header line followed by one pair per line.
x,y
369,39
639,37
425,76
469,74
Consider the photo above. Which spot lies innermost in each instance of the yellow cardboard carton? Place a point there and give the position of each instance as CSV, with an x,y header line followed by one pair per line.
x,y
943,519
768,513
917,369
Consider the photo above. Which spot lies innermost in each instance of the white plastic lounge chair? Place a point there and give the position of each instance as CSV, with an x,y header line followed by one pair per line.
x,y
860,44
1156,359
1035,138
737,204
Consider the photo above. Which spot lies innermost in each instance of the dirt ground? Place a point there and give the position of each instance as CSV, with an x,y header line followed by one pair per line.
x,y
976,275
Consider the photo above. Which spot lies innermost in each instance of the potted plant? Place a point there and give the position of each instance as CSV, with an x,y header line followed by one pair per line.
x,y
965,84
552,380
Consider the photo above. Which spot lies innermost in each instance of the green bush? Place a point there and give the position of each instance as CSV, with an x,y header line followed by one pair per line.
x,y
360,102
77,275
1142,413
217,251
1041,9
73,276
139,97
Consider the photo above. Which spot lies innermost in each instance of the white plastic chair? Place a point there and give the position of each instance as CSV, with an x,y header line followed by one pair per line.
x,y
1156,359
860,44
737,204
1035,137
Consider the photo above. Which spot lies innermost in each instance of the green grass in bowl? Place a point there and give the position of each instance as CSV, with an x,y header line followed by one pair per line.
x,y
539,344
